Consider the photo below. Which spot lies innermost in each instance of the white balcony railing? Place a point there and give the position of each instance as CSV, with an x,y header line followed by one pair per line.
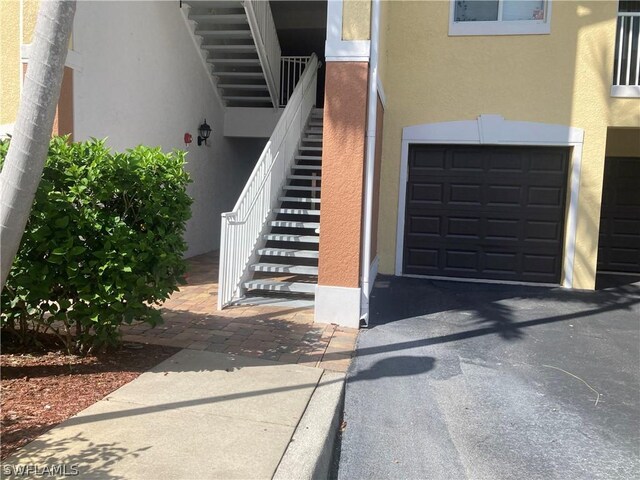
x,y
626,72
291,69
243,228
265,36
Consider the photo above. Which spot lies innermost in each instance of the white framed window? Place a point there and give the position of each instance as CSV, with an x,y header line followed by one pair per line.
x,y
500,17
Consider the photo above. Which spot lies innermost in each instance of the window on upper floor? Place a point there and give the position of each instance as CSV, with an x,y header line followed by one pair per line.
x,y
500,17
626,68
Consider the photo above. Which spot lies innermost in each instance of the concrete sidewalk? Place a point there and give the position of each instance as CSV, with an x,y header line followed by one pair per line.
x,y
197,415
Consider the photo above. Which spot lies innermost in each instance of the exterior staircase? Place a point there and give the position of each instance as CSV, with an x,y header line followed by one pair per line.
x,y
288,261
239,43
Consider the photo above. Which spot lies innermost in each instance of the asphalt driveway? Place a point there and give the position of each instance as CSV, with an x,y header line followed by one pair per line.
x,y
474,381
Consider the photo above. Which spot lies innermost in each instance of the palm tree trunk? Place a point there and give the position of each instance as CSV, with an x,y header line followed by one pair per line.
x,y
27,153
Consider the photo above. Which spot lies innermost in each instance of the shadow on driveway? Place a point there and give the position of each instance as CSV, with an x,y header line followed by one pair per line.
x,y
464,380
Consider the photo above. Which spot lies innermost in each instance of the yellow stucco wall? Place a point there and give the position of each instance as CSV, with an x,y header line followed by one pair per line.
x,y
10,68
623,142
356,20
18,20
562,78
29,16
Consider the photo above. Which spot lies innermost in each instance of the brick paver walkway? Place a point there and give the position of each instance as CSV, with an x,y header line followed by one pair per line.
x,y
285,334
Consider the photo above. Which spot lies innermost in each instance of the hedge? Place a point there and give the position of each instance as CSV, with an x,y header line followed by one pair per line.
x,y
103,245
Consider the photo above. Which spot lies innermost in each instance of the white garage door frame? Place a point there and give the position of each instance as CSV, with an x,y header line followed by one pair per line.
x,y
495,130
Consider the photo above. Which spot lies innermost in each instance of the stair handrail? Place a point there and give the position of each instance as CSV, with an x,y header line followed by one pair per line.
x,y
265,36
243,228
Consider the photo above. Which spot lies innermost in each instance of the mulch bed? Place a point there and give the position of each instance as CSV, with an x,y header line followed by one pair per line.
x,y
40,389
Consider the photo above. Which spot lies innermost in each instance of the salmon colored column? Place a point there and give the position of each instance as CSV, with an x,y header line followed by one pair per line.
x,y
343,157
63,121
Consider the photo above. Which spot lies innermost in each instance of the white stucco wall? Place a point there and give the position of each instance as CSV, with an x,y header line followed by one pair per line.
x,y
143,82
251,122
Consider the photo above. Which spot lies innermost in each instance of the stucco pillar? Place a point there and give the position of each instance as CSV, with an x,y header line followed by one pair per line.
x,y
343,157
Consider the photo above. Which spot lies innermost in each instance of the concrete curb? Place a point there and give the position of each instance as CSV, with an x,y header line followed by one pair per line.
x,y
309,454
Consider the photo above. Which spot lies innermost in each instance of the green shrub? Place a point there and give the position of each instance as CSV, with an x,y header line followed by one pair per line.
x,y
103,245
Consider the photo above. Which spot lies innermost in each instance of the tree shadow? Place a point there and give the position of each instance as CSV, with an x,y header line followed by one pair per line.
x,y
77,455
397,366
505,310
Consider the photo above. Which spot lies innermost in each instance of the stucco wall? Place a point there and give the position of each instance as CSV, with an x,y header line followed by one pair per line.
x,y
29,16
10,68
142,82
562,78
343,151
356,20
623,142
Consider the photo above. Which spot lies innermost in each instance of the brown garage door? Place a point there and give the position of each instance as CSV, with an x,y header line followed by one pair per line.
x,y
619,247
486,212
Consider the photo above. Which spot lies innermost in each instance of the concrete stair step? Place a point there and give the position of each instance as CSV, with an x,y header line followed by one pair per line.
x,y
241,62
283,268
301,188
245,75
237,98
230,48
275,285
288,252
225,34
242,86
297,211
284,237
307,157
233,19
310,178
299,199
293,224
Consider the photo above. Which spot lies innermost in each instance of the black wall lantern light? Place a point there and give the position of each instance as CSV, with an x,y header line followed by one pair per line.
x,y
204,130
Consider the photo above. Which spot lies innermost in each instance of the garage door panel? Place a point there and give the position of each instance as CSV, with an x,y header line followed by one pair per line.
x,y
486,212
425,225
500,229
460,193
462,260
548,162
459,262
428,161
543,231
423,258
466,161
464,227
619,239
545,196
430,193
504,195
500,263
508,162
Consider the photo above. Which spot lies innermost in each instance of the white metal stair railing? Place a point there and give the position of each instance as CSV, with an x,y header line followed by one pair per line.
x,y
243,228
265,37
627,59
291,69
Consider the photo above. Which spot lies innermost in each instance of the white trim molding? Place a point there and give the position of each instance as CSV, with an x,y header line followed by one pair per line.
x,y
495,130
337,49
500,27
373,272
625,91
381,94
339,305
367,289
